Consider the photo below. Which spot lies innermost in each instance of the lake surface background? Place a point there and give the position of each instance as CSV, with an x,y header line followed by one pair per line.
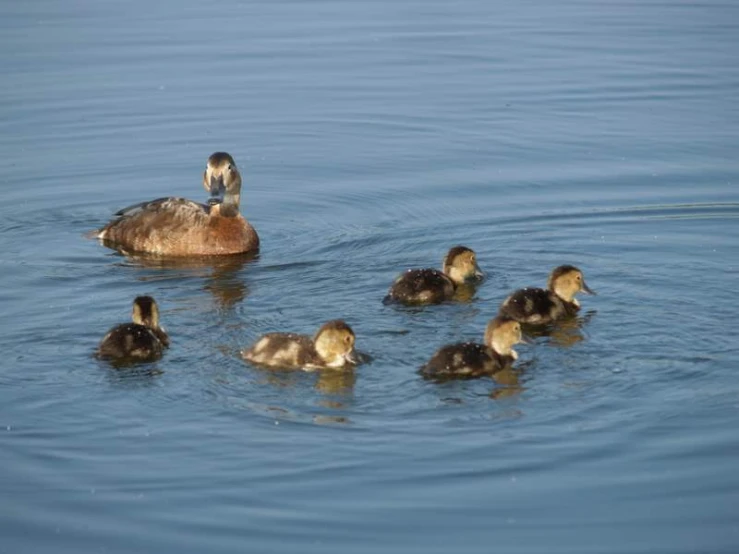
x,y
372,136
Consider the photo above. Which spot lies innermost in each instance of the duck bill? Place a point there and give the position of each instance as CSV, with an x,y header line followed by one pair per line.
x,y
587,289
217,190
525,340
352,357
479,273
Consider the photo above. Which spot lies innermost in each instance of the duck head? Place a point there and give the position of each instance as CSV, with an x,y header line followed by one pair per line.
x,y
460,265
222,180
566,281
334,342
502,333
145,312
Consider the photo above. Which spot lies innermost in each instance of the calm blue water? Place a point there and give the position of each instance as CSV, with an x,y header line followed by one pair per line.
x,y
373,135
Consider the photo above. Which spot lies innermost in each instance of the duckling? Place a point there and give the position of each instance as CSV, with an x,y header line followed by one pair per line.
x,y
141,340
331,347
469,360
541,306
431,286
181,227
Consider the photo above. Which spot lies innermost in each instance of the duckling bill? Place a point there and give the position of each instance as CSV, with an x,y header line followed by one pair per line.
x,y
141,340
541,306
431,286
470,360
331,347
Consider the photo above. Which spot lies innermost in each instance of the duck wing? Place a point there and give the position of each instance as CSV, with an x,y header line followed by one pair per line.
x,y
467,360
155,221
530,305
421,286
167,203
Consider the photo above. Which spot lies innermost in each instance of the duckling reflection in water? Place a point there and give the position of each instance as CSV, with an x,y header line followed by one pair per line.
x,y
541,306
339,383
142,340
469,360
563,333
181,227
431,286
331,347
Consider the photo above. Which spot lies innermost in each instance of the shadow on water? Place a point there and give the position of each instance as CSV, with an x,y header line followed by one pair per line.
x,y
221,275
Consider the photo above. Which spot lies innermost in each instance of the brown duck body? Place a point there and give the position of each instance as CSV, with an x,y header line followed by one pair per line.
x,y
131,341
421,286
537,306
465,360
180,227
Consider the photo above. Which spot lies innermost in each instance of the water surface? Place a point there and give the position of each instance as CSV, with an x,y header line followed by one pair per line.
x,y
372,137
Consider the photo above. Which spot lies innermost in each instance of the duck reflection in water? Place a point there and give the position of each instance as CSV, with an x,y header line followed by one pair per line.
x,y
335,390
509,381
339,383
130,376
336,383
221,274
564,333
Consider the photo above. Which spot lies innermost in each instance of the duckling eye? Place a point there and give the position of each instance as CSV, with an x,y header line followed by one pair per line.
x,y
347,339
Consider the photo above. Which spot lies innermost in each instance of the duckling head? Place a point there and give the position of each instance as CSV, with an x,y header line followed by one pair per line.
x,y
502,333
460,265
222,180
145,312
334,342
566,281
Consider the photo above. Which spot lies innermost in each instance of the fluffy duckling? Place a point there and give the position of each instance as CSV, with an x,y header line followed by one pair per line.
x,y
141,340
431,286
181,227
469,360
331,347
541,306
